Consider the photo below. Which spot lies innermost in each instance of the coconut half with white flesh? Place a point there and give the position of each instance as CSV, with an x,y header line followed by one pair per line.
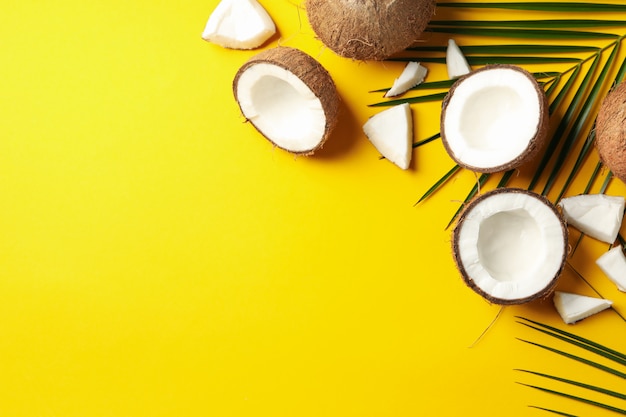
x,y
289,98
510,246
239,24
494,119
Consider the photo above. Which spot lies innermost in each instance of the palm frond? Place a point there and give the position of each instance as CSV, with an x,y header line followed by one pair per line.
x,y
579,384
511,49
549,410
540,6
579,399
543,23
475,189
522,33
439,183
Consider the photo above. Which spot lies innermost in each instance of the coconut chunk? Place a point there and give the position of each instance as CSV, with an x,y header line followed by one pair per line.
x,y
289,97
596,215
494,119
412,75
391,132
575,307
239,24
613,264
510,246
455,61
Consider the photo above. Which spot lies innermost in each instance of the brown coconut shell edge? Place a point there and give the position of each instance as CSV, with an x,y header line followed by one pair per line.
x,y
314,76
535,144
369,29
610,132
542,294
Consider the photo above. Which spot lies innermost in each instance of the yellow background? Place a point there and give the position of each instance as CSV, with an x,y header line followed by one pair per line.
x,y
159,258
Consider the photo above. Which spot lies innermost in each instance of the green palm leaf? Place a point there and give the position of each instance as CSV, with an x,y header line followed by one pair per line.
x,y
523,33
544,23
439,183
508,49
509,59
589,387
479,183
541,6
410,100
579,399
560,413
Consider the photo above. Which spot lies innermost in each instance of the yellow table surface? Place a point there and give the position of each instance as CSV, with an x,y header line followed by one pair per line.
x,y
158,257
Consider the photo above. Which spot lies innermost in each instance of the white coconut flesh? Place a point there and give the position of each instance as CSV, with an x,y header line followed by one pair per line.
x,y
491,118
575,307
613,264
597,215
239,24
510,246
412,75
456,63
282,107
391,132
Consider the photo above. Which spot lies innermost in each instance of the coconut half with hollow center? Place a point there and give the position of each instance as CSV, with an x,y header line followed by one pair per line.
x,y
510,246
369,29
289,97
494,119
610,134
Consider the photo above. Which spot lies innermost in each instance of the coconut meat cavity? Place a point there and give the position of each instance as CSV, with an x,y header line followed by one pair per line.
x,y
281,106
491,118
511,245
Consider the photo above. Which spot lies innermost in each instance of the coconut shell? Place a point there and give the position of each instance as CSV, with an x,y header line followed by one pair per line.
x,y
467,279
311,73
369,29
535,144
611,133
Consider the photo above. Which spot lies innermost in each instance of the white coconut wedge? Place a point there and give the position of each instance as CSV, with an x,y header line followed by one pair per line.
x,y
494,119
574,307
596,215
391,132
239,24
289,98
510,246
369,29
412,75
610,135
613,264
456,64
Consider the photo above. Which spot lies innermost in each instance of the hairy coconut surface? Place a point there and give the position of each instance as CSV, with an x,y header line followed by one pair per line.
x,y
369,29
289,97
610,134
510,246
494,119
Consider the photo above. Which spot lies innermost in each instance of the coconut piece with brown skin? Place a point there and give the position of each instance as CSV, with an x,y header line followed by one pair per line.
x,y
610,134
510,246
289,97
494,119
369,29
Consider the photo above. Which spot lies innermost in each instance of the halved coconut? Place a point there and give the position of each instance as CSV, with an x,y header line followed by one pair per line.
x,y
510,246
289,97
239,24
369,29
610,135
494,119
575,307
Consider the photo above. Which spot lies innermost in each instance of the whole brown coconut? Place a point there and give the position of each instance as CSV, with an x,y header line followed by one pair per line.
x,y
369,29
610,132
